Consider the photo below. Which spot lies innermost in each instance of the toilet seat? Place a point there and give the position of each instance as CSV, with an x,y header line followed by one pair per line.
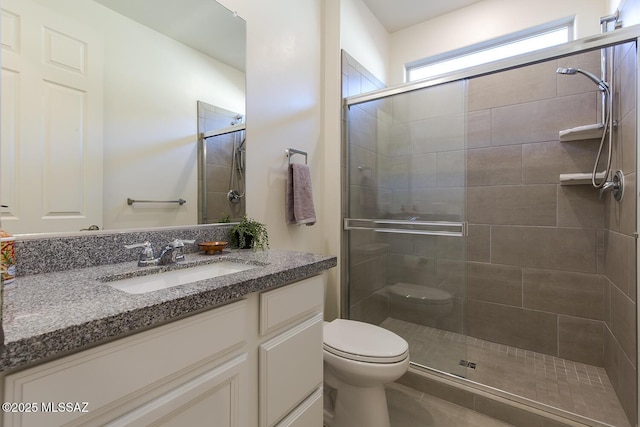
x,y
363,342
419,294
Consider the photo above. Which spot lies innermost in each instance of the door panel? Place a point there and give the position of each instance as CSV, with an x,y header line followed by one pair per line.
x,y
51,121
406,219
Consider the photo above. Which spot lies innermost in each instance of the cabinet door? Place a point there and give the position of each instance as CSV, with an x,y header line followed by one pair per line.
x,y
216,398
116,377
290,369
288,304
308,414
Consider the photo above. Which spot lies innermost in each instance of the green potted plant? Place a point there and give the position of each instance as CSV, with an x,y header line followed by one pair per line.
x,y
249,233
224,218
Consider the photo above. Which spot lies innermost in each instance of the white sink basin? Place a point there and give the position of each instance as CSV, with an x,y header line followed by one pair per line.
x,y
168,279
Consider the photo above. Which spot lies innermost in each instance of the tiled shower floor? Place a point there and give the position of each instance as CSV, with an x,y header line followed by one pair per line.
x,y
574,387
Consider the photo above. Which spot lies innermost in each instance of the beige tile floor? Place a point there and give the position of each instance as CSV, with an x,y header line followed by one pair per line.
x,y
411,408
564,384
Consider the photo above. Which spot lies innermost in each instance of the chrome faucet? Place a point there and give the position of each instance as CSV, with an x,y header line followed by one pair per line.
x,y
616,186
171,253
146,256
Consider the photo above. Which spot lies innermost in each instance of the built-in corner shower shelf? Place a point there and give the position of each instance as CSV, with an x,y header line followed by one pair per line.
x,y
593,131
579,178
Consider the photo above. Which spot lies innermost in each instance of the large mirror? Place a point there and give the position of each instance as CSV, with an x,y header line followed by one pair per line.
x,y
100,122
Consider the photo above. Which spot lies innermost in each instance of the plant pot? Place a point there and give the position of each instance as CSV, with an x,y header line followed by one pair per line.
x,y
248,241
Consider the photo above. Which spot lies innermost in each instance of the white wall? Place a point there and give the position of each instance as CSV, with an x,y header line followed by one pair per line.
x,y
285,101
629,11
486,20
364,38
332,79
284,109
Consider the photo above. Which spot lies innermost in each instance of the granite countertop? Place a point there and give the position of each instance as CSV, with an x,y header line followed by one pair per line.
x,y
52,314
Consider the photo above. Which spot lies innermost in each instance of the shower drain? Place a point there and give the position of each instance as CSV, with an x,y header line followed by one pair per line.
x,y
467,364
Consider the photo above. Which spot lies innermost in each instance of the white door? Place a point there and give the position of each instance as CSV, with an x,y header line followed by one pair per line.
x,y
51,158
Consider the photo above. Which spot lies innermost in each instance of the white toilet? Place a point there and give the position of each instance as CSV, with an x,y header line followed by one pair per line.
x,y
359,359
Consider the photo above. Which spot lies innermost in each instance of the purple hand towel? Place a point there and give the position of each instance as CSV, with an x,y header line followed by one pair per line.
x,y
298,196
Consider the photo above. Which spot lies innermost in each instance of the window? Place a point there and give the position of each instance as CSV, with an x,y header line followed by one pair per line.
x,y
551,34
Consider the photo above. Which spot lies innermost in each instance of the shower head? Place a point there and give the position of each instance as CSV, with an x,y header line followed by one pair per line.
x,y
569,71
237,120
561,70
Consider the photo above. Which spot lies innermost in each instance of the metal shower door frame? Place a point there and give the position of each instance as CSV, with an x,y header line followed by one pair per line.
x,y
600,41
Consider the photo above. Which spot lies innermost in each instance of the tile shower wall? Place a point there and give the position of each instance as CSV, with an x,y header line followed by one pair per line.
x,y
532,272
552,268
219,162
616,242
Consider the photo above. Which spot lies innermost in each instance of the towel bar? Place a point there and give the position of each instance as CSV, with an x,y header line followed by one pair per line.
x,y
291,151
181,202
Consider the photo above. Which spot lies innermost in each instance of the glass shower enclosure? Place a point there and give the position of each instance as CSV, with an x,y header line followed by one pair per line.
x,y
407,215
472,229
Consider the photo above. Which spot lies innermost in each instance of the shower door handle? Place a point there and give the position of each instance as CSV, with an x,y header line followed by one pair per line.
x,y
427,228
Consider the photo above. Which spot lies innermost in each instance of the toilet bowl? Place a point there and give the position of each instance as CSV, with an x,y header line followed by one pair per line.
x,y
431,302
359,359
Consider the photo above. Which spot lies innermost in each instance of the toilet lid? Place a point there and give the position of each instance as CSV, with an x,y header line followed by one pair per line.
x,y
364,342
420,293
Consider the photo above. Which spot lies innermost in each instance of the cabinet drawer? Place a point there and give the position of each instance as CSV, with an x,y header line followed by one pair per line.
x,y
116,373
217,397
308,414
292,302
290,367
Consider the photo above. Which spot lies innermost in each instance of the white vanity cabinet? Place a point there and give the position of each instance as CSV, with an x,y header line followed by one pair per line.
x,y
290,358
128,376
254,362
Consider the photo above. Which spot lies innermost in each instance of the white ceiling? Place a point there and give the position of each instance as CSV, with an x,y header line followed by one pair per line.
x,y
398,14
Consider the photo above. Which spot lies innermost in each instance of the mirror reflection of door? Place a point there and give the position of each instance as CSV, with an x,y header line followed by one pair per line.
x,y
221,163
136,134
51,121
